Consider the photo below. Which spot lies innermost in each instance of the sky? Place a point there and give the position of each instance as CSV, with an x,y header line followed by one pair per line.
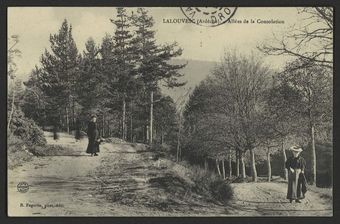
x,y
35,24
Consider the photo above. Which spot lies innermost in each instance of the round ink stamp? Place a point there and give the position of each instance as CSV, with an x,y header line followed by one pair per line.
x,y
23,187
209,16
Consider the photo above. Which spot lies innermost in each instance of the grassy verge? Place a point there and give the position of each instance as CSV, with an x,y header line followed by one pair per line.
x,y
205,183
18,158
148,180
17,152
52,150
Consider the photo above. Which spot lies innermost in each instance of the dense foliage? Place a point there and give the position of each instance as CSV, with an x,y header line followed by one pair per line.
x,y
118,80
244,107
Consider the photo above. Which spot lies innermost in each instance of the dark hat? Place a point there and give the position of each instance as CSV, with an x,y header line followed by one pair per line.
x,y
93,115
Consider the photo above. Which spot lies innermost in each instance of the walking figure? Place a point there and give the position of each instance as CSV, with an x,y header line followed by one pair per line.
x,y
93,135
296,179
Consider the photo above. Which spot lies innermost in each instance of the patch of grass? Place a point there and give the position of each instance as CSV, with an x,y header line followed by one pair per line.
x,y
171,183
205,183
26,129
51,150
170,186
221,190
17,158
211,185
17,153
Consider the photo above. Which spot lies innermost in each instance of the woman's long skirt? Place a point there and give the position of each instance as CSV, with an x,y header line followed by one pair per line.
x,y
294,192
93,146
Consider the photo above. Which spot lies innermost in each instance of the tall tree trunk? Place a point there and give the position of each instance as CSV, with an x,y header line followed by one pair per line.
x,y
180,153
162,136
179,138
73,113
61,120
237,152
178,147
269,167
218,167
285,171
67,120
144,134
312,136
205,164
243,165
131,124
103,127
230,167
253,165
223,168
124,119
151,118
12,111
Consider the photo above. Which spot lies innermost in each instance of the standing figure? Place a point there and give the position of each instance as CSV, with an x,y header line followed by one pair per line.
x,y
93,136
296,166
55,131
77,126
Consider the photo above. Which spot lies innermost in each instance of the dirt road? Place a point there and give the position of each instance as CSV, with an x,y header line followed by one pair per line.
x,y
268,199
125,181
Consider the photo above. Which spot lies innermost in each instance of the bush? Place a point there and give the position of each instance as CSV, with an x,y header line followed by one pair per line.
x,y
14,144
17,153
26,130
221,190
203,179
209,184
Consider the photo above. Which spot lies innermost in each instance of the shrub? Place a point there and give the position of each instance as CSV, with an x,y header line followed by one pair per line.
x,y
209,184
26,130
203,179
221,190
14,144
17,153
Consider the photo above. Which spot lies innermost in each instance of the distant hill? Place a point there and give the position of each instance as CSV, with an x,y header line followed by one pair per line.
x,y
194,72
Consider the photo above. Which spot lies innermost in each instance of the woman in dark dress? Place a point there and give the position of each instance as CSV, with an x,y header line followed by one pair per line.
x,y
93,135
296,165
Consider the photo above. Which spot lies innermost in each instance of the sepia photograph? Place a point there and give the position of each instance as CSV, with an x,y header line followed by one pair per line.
x,y
169,111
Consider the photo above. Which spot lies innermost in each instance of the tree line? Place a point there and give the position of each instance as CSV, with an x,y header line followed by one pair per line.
x,y
243,106
118,80
246,111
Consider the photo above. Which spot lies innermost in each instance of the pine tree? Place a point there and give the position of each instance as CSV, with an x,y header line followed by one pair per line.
x,y
34,100
154,59
89,78
124,57
58,73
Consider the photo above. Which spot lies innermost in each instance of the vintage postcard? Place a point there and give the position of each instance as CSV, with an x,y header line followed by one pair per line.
x,y
170,111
